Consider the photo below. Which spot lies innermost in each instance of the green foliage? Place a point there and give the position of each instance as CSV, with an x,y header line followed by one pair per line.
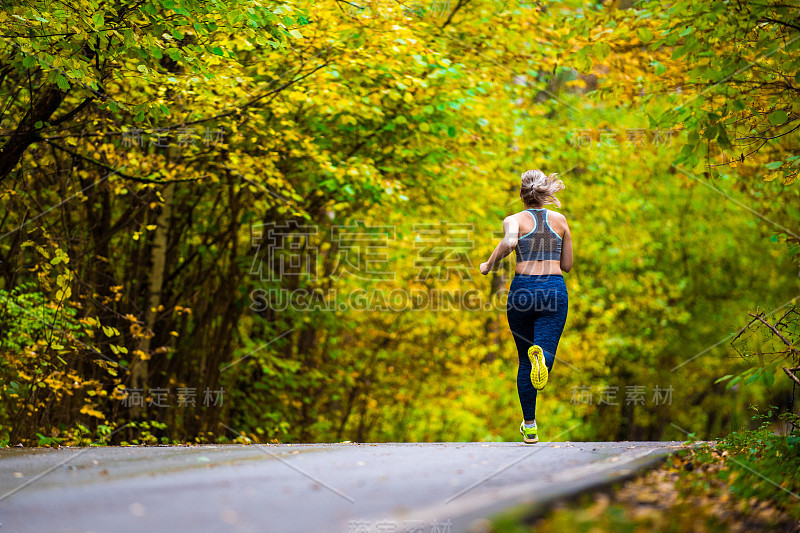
x,y
83,39
727,73
763,463
148,432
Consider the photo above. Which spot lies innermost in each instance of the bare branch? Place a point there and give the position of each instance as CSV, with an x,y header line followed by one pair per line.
x,y
790,373
778,333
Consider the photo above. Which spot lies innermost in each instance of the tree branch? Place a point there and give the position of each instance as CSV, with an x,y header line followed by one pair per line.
x,y
779,22
114,170
790,373
776,332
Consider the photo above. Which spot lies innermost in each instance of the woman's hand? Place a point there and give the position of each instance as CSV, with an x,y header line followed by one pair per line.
x,y
485,268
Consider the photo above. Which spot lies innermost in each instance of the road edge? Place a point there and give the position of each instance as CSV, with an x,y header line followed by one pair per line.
x,y
528,511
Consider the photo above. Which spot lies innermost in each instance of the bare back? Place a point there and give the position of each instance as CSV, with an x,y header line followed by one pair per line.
x,y
558,223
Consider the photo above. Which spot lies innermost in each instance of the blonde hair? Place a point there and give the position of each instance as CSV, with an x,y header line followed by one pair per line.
x,y
538,189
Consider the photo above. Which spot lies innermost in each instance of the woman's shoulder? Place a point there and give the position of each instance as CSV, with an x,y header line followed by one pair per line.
x,y
516,215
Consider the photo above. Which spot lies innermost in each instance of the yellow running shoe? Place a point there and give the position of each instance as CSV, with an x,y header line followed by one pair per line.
x,y
529,435
539,371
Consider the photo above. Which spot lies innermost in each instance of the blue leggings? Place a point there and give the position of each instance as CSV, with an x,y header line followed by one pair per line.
x,y
537,311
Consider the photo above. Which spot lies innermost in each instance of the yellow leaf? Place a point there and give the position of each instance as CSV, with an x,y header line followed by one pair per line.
x,y
89,410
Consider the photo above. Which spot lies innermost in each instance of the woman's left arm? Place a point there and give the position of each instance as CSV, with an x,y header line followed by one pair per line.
x,y
506,245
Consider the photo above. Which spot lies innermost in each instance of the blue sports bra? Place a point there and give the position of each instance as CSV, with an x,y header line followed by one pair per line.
x,y
541,243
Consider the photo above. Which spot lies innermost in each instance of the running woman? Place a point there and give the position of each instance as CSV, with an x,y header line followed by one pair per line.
x,y
537,299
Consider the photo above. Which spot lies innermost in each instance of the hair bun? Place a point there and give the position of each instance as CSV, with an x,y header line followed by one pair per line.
x,y
536,188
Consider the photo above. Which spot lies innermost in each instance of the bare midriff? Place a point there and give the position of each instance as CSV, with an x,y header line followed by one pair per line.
x,y
538,267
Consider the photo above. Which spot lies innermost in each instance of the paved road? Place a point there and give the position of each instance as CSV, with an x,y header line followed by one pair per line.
x,y
394,487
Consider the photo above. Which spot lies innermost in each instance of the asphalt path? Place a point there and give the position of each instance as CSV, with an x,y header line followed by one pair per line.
x,y
347,487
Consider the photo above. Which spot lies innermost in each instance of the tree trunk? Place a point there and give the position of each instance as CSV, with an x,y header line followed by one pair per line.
x,y
26,132
158,259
